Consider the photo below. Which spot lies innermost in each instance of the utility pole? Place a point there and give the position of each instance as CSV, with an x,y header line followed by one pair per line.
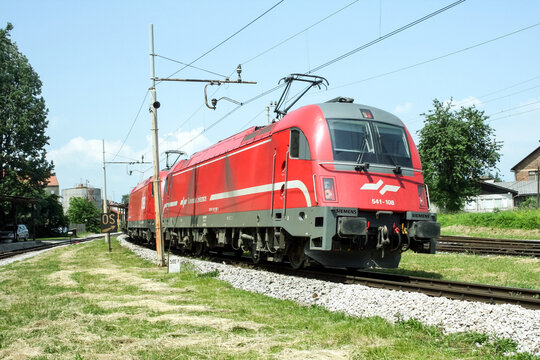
x,y
154,105
105,210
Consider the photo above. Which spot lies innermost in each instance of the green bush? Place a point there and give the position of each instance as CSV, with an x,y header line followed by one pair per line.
x,y
513,219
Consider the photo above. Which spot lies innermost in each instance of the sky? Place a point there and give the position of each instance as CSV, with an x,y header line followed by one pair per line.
x,y
93,58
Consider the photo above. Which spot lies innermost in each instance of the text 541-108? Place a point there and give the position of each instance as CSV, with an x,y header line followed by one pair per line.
x,y
382,202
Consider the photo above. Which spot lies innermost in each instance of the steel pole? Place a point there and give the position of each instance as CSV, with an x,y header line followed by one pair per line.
x,y
105,210
156,183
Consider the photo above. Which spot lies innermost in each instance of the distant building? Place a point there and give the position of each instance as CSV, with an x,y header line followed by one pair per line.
x,y
524,189
82,191
493,196
52,186
527,169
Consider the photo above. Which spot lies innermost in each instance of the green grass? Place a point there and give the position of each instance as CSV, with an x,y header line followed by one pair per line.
x,y
494,270
516,219
82,302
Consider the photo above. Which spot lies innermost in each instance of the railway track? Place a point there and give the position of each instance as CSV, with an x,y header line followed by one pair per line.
x,y
8,254
490,294
433,287
485,246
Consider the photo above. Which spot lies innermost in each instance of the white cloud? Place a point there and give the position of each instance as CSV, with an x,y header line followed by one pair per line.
x,y
466,102
187,141
403,109
80,159
78,151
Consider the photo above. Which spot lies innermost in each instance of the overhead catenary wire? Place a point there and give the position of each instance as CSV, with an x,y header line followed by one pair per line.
x,y
191,66
499,98
386,36
514,108
266,51
514,93
332,62
441,57
512,115
227,39
298,33
132,125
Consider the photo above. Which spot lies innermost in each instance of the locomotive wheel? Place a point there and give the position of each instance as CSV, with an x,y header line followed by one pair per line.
x,y
255,254
297,257
199,248
256,257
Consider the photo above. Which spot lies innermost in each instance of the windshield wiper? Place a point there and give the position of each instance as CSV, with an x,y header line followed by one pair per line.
x,y
397,168
362,166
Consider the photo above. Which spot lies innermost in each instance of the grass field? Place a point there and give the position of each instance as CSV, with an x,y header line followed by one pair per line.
x,y
510,271
515,224
81,302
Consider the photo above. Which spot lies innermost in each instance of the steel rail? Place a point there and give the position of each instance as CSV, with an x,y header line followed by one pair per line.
x,y
457,290
490,294
486,246
11,253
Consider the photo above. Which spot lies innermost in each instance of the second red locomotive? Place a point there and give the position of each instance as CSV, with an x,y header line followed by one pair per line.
x,y
336,183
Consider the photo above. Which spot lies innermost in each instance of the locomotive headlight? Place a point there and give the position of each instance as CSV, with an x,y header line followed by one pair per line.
x,y
422,196
329,189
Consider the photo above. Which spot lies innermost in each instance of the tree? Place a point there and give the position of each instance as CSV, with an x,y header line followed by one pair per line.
x,y
48,216
82,211
24,168
125,199
456,148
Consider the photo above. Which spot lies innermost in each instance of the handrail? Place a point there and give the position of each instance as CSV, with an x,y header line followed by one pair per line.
x,y
353,164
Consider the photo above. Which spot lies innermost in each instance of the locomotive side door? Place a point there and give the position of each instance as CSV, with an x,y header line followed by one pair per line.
x,y
280,172
291,174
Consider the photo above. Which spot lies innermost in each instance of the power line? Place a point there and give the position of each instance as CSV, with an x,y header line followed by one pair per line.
x,y
511,86
120,156
331,62
514,108
512,115
442,57
300,32
496,113
514,93
275,46
373,42
232,111
243,127
132,124
188,65
227,39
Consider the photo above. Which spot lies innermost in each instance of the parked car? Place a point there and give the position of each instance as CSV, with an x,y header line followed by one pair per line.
x,y
10,233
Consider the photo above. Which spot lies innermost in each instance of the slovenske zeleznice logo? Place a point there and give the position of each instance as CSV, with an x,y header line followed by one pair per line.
x,y
377,186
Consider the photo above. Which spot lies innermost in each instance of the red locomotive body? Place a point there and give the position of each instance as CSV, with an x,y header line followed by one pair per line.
x,y
141,210
337,183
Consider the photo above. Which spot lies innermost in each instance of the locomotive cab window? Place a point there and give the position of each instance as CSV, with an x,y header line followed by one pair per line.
x,y
363,141
394,145
352,140
299,146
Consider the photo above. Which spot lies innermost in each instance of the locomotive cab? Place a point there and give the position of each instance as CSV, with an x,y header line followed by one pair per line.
x,y
372,202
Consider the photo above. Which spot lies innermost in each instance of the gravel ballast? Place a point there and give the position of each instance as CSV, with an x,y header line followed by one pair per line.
x,y
500,321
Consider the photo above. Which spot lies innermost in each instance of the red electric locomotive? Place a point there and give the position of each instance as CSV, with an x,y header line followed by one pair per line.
x,y
337,183
141,210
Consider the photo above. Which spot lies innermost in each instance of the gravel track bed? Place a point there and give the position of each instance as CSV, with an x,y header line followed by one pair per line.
x,y
26,255
500,321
